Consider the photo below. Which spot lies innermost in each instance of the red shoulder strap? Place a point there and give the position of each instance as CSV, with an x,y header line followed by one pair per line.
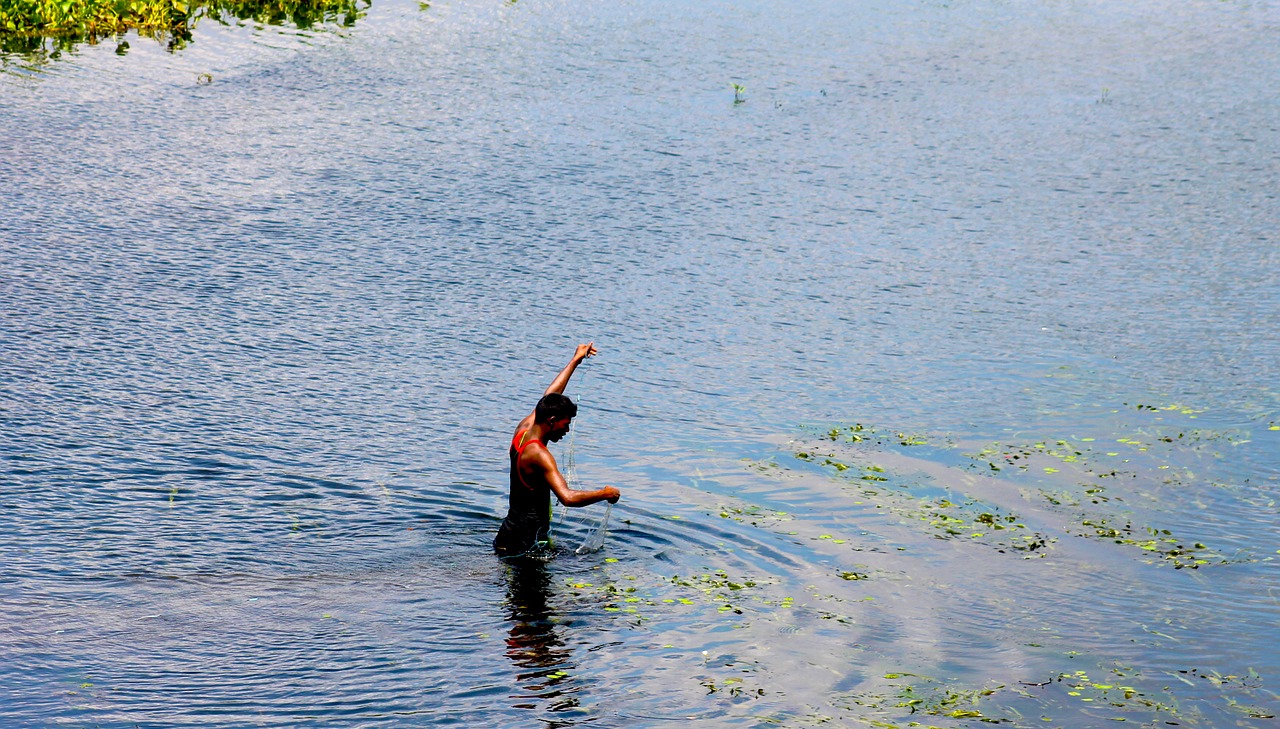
x,y
519,449
515,441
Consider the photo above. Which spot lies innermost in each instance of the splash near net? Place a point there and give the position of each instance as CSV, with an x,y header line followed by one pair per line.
x,y
595,540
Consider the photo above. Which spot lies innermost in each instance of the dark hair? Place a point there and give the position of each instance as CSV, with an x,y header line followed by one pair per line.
x,y
554,406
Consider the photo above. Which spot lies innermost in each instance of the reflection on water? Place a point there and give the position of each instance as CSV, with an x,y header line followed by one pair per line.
x,y
1005,284
533,645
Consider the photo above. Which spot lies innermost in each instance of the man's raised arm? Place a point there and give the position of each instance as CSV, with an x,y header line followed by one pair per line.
x,y
562,379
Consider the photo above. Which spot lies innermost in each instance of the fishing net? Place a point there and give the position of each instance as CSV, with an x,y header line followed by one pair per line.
x,y
569,467
595,540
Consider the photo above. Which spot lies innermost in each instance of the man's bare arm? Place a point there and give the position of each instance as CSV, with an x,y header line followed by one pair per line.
x,y
543,461
562,379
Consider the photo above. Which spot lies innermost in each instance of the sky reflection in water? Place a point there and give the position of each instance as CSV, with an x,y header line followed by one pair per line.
x,y
265,339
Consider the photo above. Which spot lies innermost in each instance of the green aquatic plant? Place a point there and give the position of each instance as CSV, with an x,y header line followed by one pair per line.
x,y
1158,449
727,594
1153,449
642,600
914,695
46,28
1155,435
1160,542
1068,473
945,701
754,515
970,519
739,93
613,597
859,433
998,457
1117,693
948,519
733,686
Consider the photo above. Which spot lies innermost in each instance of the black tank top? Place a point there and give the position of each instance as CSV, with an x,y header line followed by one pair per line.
x,y
529,515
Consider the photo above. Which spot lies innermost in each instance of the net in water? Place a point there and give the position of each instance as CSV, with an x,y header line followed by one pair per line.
x,y
595,540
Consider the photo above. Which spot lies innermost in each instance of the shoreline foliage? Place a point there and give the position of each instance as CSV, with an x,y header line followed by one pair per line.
x,y
49,27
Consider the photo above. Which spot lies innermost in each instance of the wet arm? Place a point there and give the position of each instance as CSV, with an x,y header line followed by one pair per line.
x,y
562,379
572,497
569,496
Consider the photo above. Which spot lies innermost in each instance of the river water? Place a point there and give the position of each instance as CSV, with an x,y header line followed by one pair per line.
x,y
938,369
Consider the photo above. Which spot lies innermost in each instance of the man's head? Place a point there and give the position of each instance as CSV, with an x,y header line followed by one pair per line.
x,y
557,411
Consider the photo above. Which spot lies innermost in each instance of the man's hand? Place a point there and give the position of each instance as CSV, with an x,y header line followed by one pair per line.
x,y
562,379
613,494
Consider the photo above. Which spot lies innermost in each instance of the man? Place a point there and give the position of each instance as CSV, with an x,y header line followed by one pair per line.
x,y
534,474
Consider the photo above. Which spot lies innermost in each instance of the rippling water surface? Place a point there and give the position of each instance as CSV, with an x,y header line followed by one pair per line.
x,y
938,372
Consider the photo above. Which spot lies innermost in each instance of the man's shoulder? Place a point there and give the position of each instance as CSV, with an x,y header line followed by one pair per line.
x,y
535,453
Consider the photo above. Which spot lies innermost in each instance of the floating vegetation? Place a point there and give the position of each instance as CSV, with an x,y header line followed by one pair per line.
x,y
1159,451
1087,456
954,520
710,589
754,515
1024,457
645,601
1107,456
968,519
767,466
733,686
1185,410
1118,528
612,597
1080,477
868,472
737,685
1129,487
860,433
718,588
1119,694
48,28
1157,541
916,695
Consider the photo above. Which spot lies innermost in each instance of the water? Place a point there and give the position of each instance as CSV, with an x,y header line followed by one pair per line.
x,y
264,341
